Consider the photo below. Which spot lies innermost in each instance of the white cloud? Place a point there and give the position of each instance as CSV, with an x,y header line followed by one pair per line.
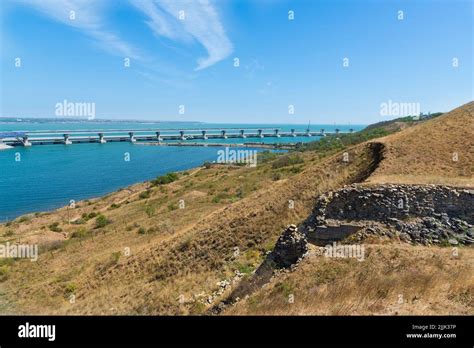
x,y
88,17
201,23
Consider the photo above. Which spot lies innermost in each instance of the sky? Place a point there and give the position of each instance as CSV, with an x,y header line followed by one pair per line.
x,y
236,61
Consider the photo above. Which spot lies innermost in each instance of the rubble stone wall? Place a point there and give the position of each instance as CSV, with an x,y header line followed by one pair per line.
x,y
382,202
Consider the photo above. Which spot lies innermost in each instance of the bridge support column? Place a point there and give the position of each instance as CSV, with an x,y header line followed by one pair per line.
x,y
158,136
204,136
242,134
132,137
223,133
260,133
293,132
322,132
277,133
337,131
101,138
25,141
67,141
182,137
308,133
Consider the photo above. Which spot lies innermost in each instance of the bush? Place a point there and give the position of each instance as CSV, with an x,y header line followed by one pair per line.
x,y
217,198
144,194
80,233
79,221
3,273
185,244
24,219
114,258
51,245
8,233
70,289
172,206
165,179
207,165
55,227
287,160
266,156
296,170
150,210
330,144
114,206
101,221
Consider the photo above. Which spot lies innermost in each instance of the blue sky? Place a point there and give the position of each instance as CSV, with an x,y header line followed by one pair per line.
x,y
190,60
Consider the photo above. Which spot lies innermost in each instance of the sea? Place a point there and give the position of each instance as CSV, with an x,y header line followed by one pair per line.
x,y
46,177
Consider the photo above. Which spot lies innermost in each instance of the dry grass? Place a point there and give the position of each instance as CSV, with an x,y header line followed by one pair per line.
x,y
187,251
423,154
393,279
184,252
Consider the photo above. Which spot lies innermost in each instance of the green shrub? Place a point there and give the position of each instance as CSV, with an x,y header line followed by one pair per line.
x,y
101,221
266,156
185,244
114,258
114,206
25,218
80,233
172,206
165,179
287,160
144,194
8,233
79,221
296,170
276,176
4,270
55,227
220,196
150,210
70,289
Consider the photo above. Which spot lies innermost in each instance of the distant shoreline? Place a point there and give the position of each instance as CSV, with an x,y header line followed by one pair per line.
x,y
14,120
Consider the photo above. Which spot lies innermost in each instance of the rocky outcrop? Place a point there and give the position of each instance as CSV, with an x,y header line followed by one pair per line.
x,y
419,213
289,248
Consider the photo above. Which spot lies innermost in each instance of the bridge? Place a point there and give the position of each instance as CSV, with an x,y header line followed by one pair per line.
x,y
102,136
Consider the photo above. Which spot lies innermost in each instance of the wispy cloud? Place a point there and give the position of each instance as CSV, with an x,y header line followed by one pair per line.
x,y
185,20
201,23
87,16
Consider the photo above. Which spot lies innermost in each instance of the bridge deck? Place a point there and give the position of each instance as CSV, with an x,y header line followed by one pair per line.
x,y
27,138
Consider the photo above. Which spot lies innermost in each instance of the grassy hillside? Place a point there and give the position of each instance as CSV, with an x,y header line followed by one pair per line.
x,y
141,251
439,151
393,279
173,252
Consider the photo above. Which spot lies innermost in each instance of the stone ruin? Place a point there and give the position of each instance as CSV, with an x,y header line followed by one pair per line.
x,y
425,214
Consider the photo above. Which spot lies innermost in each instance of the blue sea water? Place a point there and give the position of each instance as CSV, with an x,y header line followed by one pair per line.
x,y
48,176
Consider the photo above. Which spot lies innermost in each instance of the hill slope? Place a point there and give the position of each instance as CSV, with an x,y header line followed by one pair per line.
x,y
438,151
146,256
